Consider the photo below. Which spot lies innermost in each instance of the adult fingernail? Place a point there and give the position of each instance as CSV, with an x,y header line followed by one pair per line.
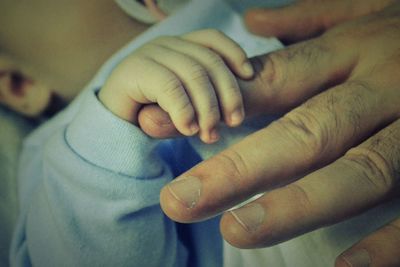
x,y
236,117
187,190
358,258
250,216
247,69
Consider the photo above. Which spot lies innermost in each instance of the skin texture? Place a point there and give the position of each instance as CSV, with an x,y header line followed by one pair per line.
x,y
357,67
187,76
341,132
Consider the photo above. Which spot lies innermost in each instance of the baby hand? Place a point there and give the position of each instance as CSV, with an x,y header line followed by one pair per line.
x,y
189,77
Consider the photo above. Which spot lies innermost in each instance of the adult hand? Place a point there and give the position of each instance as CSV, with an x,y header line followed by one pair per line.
x,y
329,158
308,18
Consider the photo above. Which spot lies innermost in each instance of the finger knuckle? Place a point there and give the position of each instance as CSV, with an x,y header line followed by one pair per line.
x,y
214,60
211,116
173,89
344,107
310,52
306,131
184,109
278,69
235,169
298,195
197,73
274,75
372,167
233,101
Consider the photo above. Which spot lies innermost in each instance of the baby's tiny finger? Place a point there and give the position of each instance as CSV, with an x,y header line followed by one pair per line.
x,y
234,56
224,82
157,84
195,81
174,100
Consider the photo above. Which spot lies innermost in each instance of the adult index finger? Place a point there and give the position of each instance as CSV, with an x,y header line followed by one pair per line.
x,y
307,138
156,122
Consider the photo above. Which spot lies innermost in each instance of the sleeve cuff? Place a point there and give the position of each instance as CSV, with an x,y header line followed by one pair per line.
x,y
103,139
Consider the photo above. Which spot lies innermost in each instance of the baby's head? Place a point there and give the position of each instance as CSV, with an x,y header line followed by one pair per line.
x,y
51,49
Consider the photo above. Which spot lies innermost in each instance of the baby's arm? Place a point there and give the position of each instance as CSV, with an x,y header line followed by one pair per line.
x,y
189,77
95,199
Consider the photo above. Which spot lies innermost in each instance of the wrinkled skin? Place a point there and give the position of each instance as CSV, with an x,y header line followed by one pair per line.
x,y
340,92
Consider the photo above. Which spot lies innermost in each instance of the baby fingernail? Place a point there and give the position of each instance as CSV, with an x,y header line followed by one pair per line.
x,y
247,69
358,258
250,216
186,189
214,136
236,117
194,128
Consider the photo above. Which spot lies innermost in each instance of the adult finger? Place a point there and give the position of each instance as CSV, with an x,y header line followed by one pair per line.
x,y
381,248
364,177
306,19
315,133
223,81
288,77
155,122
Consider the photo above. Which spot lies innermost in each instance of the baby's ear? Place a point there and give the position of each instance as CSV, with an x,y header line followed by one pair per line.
x,y
19,92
